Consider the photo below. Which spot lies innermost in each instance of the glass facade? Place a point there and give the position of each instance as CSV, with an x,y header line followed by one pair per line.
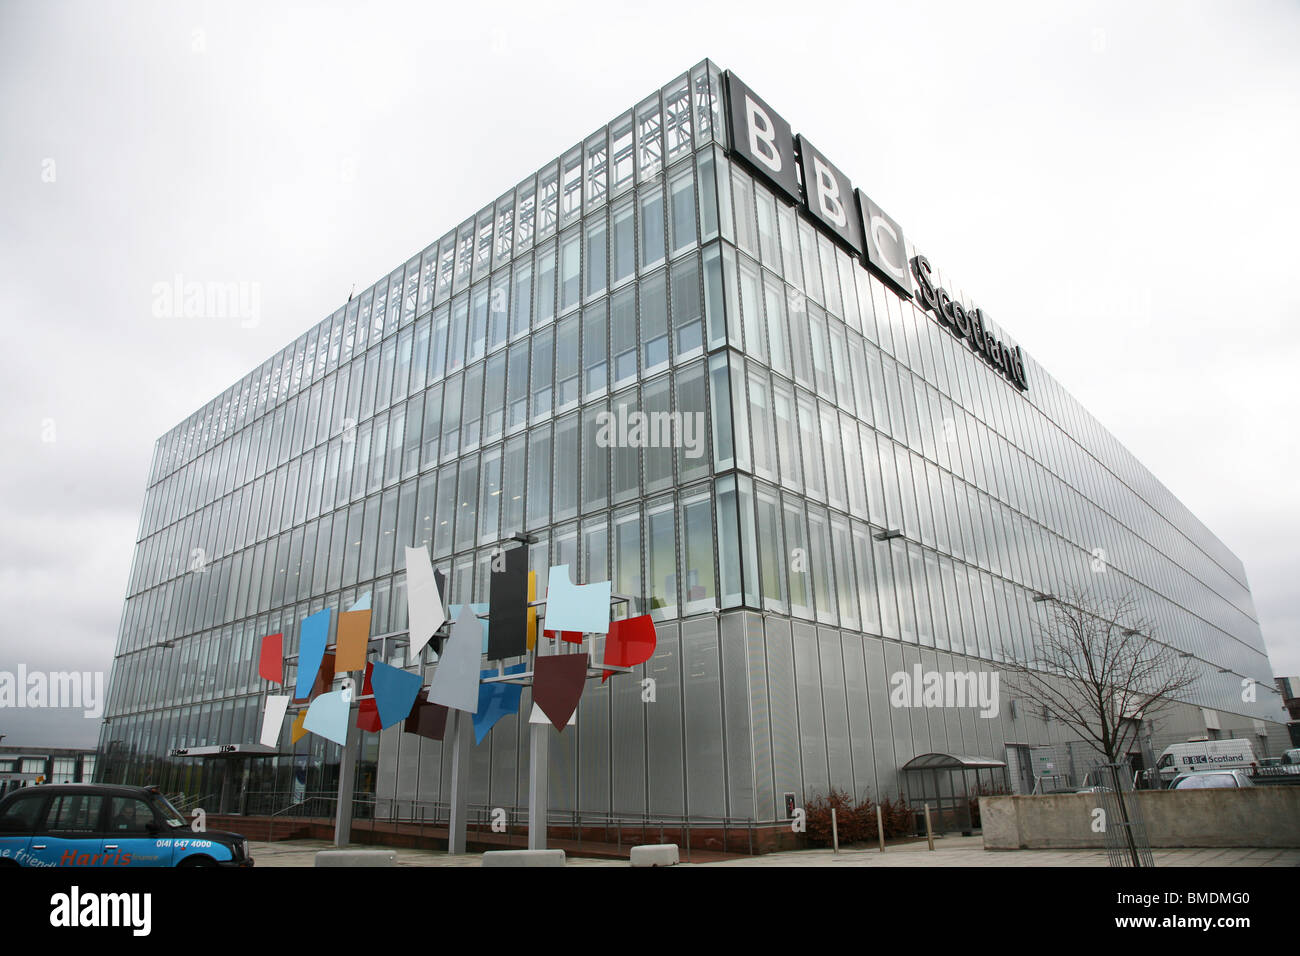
x,y
459,400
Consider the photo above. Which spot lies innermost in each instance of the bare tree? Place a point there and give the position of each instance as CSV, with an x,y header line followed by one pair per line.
x,y
1098,667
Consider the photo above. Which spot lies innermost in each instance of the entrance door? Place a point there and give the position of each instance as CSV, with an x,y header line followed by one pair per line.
x,y
1022,768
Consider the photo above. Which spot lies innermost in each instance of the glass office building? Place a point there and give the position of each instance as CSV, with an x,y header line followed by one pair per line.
x,y
459,400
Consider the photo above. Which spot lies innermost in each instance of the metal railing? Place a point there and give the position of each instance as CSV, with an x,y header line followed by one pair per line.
x,y
185,804
421,815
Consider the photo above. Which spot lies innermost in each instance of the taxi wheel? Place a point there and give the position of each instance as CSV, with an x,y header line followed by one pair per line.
x,y
198,861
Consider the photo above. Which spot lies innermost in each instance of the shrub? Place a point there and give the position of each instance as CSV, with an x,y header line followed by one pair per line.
x,y
856,820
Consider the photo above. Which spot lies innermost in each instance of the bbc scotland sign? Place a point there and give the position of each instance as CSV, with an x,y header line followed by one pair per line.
x,y
769,146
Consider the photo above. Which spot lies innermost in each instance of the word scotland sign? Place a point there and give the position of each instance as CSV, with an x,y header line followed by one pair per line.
x,y
802,174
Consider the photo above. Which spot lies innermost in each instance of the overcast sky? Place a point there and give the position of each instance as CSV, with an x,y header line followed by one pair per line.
x,y
1114,183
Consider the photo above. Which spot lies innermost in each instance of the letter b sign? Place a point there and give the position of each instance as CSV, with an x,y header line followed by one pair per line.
x,y
761,137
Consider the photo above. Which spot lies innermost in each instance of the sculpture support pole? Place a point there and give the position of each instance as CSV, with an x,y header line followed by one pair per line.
x,y
538,787
461,728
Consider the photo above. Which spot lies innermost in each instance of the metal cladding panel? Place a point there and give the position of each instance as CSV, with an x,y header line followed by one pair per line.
x,y
838,748
812,725
861,745
787,767
740,741
706,770
765,800
594,745
666,789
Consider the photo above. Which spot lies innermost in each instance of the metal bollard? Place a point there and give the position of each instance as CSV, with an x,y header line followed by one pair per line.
x,y
835,832
880,828
929,833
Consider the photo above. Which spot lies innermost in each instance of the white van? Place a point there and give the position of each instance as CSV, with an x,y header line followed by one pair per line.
x,y
1201,755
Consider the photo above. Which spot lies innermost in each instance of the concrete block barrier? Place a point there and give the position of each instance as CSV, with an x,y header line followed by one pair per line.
x,y
655,854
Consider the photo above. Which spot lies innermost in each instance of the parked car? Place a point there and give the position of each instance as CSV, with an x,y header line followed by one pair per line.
x,y
107,826
1211,780
1292,756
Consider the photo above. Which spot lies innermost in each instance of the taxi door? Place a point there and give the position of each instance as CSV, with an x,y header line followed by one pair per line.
x,y
21,817
135,837
72,833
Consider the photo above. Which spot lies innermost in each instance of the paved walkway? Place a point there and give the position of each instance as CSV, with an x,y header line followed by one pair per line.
x,y
948,851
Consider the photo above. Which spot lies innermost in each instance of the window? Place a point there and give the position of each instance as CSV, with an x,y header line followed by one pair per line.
x,y
432,431
760,418
595,459
595,349
627,558
743,196
437,345
21,815
692,450
659,437
494,398
130,815
796,541
660,560
543,372
787,438
688,309
768,244
489,507
521,299
810,440
517,386
565,457
539,476
467,504
751,307
681,211
654,323
459,333
699,591
624,337
444,512
819,553
478,323
652,227
472,409
566,363
512,486
544,300
387,534
624,243
570,269
800,348
451,417
627,457
596,259
499,311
